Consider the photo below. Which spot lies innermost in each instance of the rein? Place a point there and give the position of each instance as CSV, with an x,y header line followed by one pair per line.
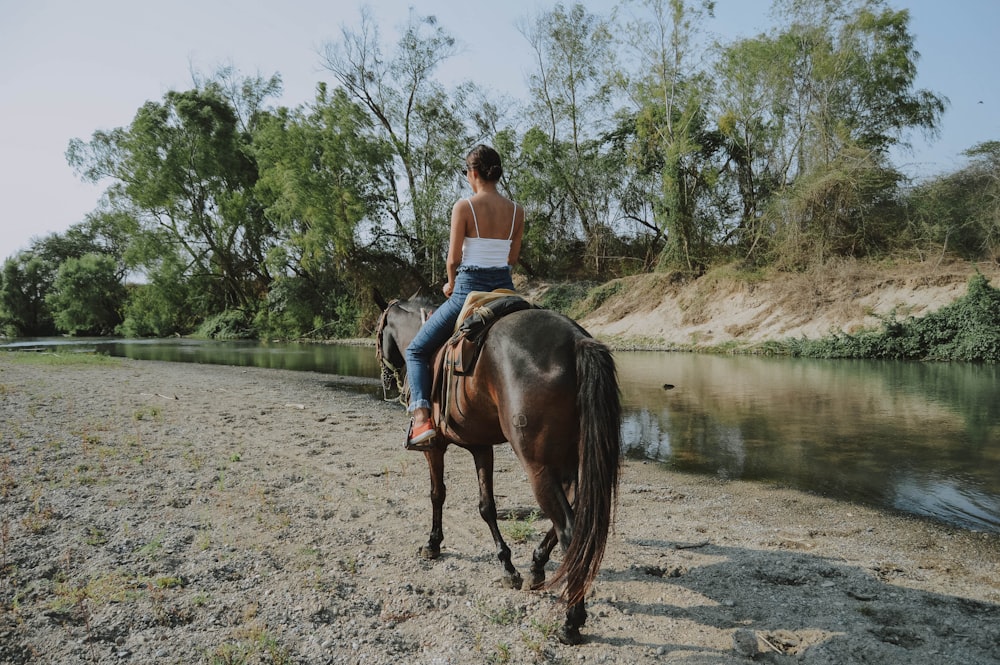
x,y
387,368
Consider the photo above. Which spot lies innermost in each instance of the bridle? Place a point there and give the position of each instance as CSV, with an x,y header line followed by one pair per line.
x,y
388,369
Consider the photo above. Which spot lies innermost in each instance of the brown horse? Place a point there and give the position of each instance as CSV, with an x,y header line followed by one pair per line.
x,y
544,385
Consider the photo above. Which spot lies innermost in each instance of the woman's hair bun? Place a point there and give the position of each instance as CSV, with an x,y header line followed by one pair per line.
x,y
486,161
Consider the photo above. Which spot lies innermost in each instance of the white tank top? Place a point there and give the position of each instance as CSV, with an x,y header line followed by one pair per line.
x,y
487,252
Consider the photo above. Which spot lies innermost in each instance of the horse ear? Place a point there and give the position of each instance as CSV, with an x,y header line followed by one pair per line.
x,y
381,302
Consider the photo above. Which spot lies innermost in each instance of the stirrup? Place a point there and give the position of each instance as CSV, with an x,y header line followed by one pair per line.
x,y
423,438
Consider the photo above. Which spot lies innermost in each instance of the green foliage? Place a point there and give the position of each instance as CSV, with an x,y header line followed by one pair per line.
x,y
596,297
966,330
230,324
638,149
960,211
297,309
183,167
23,309
60,359
564,297
846,208
87,296
521,531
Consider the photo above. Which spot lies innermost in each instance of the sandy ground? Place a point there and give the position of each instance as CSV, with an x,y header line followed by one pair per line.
x,y
173,513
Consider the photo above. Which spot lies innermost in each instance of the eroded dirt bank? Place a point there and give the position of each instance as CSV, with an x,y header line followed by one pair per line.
x,y
658,310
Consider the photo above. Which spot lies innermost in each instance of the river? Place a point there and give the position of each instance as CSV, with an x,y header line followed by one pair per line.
x,y
920,438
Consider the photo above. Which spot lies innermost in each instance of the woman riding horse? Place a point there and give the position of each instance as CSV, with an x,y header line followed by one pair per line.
x,y
485,241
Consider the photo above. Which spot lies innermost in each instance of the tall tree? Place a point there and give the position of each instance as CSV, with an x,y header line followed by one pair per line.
x,y
753,89
184,166
808,114
571,93
669,96
853,67
324,181
413,114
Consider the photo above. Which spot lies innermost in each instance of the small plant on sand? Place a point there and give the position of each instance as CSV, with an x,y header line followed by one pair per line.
x,y
349,565
38,518
501,655
95,536
7,480
253,645
150,412
505,615
152,549
521,530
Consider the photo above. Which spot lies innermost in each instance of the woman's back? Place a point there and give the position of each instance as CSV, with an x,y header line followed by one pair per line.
x,y
490,215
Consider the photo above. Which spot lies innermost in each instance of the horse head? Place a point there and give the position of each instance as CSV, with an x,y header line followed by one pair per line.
x,y
397,326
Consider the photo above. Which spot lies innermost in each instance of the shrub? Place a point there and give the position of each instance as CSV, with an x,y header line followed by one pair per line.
x,y
966,330
230,324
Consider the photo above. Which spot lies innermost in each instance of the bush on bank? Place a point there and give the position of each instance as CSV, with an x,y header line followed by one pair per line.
x,y
966,330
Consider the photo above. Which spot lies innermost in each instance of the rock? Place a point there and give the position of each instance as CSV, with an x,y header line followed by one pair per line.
x,y
745,642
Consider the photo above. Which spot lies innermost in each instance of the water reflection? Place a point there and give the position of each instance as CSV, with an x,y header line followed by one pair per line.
x,y
326,358
921,438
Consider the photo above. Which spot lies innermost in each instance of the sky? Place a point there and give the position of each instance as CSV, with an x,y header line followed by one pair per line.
x,y
70,68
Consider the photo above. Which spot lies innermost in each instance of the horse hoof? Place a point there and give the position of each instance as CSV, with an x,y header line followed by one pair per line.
x,y
514,581
570,635
537,581
428,552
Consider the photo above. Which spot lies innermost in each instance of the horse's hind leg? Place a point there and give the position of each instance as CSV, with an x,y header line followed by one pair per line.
x,y
543,552
488,511
576,616
435,463
540,557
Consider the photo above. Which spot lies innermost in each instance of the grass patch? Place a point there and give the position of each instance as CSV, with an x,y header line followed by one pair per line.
x,y
503,615
254,644
48,359
521,530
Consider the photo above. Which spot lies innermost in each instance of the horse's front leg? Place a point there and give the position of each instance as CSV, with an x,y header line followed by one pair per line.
x,y
435,464
483,457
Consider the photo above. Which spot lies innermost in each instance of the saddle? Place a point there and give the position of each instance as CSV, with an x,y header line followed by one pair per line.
x,y
458,357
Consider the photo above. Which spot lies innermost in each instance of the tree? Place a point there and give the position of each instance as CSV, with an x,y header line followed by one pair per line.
x,y
161,306
672,137
323,178
809,113
23,309
568,183
419,121
853,66
960,211
184,167
751,102
86,297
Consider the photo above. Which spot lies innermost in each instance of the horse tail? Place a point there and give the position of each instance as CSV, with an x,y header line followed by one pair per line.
x,y
599,406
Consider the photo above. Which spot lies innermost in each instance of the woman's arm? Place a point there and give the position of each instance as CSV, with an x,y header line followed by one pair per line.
x,y
455,240
515,240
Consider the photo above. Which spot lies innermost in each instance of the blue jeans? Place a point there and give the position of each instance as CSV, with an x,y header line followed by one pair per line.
x,y
441,325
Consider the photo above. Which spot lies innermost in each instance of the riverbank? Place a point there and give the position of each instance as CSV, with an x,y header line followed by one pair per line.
x,y
738,311
183,513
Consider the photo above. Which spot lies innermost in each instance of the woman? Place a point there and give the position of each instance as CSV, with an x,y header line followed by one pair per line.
x,y
485,241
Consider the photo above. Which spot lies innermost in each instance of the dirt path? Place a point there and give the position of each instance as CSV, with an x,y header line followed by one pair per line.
x,y
175,513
